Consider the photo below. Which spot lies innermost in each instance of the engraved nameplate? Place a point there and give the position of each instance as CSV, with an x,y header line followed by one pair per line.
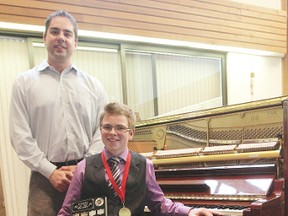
x,y
90,207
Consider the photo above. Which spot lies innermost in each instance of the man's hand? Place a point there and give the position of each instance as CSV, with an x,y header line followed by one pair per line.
x,y
68,168
203,212
61,178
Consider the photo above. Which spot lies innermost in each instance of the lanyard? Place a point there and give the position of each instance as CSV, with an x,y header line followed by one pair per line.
x,y
120,192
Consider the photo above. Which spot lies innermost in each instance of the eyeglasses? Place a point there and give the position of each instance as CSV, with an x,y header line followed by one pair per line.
x,y
118,128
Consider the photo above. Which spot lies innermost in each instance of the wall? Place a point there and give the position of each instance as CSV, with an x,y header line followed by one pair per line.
x,y
265,82
272,4
224,22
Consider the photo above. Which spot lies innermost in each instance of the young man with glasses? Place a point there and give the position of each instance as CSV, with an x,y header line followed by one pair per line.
x,y
138,188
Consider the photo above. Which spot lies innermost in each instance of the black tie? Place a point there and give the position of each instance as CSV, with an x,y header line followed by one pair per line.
x,y
114,166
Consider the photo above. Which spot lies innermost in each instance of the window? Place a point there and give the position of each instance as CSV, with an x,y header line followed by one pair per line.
x,y
163,83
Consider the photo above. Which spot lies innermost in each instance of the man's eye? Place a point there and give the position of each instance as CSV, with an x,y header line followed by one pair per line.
x,y
68,35
54,32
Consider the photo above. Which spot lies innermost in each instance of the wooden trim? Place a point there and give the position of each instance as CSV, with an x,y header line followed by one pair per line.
x,y
205,21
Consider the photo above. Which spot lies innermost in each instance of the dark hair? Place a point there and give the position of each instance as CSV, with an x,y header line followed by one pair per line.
x,y
120,109
62,13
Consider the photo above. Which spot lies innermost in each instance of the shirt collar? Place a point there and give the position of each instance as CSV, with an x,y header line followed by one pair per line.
x,y
44,65
109,155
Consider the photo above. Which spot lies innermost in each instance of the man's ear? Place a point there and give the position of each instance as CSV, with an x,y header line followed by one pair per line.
x,y
76,44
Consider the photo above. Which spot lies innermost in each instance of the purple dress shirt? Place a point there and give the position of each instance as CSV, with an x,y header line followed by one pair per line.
x,y
154,194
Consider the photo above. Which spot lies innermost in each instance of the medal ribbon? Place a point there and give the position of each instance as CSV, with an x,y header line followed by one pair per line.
x,y
120,192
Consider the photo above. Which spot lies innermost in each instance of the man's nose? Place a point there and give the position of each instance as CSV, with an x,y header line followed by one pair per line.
x,y
61,37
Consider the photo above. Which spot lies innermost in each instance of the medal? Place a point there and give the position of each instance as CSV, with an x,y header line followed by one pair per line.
x,y
124,212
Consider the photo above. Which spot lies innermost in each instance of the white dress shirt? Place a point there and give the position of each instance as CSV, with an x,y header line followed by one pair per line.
x,y
55,116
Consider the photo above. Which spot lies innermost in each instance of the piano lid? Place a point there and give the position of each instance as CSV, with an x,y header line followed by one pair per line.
x,y
252,186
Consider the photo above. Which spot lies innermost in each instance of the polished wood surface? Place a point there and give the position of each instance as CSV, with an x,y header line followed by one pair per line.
x,y
233,159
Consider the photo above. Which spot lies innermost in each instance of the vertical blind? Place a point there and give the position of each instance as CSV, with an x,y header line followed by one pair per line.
x,y
15,175
172,83
140,88
184,81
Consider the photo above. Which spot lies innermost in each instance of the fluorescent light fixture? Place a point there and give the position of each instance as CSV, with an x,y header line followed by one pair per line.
x,y
97,49
122,37
168,42
21,27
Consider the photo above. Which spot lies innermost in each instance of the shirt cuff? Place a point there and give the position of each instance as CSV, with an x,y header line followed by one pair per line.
x,y
184,210
47,168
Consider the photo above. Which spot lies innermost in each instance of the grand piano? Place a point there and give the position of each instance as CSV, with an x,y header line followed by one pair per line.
x,y
232,159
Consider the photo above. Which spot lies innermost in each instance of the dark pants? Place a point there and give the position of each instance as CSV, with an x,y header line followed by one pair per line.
x,y
44,199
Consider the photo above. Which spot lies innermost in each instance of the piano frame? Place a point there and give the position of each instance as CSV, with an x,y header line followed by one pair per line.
x,y
258,121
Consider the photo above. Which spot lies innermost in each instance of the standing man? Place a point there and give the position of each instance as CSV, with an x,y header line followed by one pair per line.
x,y
54,117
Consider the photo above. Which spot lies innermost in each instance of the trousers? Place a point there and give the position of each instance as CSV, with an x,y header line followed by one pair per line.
x,y
43,199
